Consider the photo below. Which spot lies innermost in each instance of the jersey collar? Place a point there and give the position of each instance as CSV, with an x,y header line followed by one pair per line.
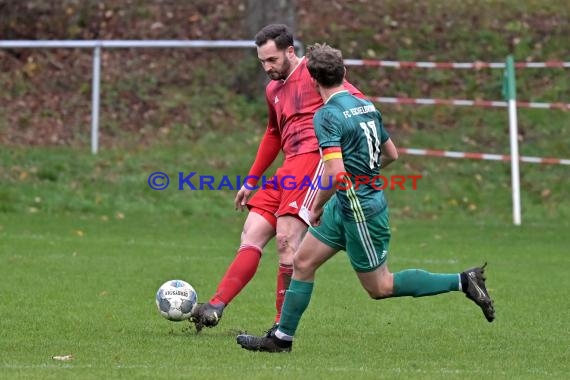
x,y
295,69
336,93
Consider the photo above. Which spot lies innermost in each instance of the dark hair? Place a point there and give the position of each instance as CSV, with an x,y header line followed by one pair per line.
x,y
325,64
279,33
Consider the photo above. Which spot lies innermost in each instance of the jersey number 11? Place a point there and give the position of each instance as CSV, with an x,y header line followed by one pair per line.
x,y
371,133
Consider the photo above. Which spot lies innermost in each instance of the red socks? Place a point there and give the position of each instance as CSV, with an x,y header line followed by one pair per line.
x,y
283,279
240,272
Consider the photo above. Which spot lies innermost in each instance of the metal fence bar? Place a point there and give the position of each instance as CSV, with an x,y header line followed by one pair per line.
x,y
478,65
97,45
127,44
110,44
469,103
482,156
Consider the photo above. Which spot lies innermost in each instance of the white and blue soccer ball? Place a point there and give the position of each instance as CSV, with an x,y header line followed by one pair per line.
x,y
175,300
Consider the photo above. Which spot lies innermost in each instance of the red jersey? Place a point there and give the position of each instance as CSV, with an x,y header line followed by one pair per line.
x,y
292,104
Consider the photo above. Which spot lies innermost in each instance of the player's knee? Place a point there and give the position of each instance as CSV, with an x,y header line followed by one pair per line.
x,y
256,233
285,243
384,288
303,267
299,264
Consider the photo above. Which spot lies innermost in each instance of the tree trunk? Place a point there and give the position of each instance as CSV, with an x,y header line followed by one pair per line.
x,y
251,80
263,12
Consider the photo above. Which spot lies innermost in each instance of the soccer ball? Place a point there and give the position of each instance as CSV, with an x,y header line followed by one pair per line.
x,y
175,300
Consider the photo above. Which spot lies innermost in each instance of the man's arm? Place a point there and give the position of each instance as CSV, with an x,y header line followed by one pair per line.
x,y
268,147
389,153
267,152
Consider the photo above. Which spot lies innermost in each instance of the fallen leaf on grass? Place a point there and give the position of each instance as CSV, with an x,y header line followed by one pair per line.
x,y
63,358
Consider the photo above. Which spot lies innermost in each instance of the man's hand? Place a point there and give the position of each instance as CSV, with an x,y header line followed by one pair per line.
x,y
315,216
241,198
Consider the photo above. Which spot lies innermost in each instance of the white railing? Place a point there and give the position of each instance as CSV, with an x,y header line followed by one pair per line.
x,y
97,45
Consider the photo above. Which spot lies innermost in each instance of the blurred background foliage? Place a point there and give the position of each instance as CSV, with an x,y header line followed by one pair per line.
x,y
182,109
148,93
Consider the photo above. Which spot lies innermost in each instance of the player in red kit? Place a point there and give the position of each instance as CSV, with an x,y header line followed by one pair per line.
x,y
278,208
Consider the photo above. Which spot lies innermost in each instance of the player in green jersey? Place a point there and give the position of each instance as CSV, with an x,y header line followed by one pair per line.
x,y
350,213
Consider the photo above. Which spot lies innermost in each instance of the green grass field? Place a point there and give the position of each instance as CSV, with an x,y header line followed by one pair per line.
x,y
84,284
85,244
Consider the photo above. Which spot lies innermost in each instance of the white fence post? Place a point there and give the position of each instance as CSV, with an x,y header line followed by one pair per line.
x,y
510,92
95,96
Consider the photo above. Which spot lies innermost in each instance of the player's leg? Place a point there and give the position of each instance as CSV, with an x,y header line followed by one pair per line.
x,y
289,233
372,237
319,245
258,229
296,197
367,245
381,283
311,255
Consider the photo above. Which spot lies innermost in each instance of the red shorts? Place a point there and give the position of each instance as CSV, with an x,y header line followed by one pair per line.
x,y
292,190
